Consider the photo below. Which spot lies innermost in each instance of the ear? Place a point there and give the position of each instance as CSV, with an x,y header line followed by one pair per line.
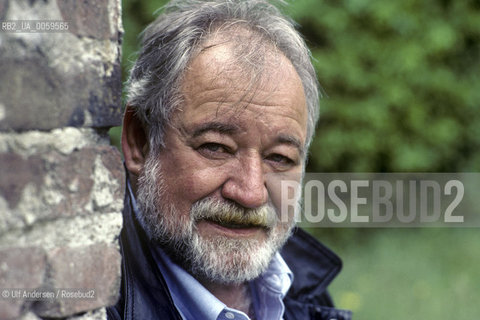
x,y
134,142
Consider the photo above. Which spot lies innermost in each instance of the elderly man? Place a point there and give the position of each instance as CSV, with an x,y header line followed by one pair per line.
x,y
222,103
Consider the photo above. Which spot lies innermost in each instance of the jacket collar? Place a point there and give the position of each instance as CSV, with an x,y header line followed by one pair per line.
x,y
314,266
144,290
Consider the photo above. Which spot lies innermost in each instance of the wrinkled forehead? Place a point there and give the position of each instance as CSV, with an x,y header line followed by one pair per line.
x,y
243,52
242,60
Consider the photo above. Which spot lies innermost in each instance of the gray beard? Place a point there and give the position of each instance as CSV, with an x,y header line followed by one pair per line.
x,y
217,259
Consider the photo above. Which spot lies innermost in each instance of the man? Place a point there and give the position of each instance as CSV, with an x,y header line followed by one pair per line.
x,y
222,104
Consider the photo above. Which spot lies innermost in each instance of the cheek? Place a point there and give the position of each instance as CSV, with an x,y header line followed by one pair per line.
x,y
188,178
187,186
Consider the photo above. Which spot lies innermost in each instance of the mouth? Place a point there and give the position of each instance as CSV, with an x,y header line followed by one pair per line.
x,y
233,224
232,229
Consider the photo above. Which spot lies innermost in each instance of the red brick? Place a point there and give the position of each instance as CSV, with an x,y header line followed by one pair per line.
x,y
95,267
19,268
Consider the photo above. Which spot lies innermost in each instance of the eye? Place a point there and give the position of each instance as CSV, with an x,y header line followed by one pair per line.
x,y
214,150
282,161
213,147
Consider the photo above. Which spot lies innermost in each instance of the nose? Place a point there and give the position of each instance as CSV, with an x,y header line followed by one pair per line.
x,y
246,184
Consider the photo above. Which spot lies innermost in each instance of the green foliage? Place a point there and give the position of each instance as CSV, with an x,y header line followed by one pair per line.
x,y
401,80
408,274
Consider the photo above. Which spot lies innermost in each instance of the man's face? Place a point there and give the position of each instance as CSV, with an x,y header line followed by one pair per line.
x,y
208,196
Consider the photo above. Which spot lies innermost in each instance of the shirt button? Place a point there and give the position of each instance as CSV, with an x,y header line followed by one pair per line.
x,y
229,315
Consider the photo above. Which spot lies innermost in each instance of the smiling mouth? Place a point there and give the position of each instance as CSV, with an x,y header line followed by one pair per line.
x,y
237,225
232,230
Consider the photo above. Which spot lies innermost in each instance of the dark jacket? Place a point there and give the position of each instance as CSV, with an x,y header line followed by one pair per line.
x,y
144,294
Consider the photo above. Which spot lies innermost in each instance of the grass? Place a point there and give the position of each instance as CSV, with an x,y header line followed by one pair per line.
x,y
407,273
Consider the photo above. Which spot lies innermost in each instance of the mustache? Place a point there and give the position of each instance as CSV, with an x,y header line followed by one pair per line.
x,y
231,214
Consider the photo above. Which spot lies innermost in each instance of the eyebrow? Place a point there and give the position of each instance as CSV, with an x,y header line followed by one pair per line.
x,y
293,141
220,127
230,129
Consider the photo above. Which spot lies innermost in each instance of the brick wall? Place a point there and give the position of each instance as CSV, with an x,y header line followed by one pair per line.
x,y
61,183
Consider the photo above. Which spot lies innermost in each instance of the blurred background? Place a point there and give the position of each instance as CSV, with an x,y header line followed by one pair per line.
x,y
401,93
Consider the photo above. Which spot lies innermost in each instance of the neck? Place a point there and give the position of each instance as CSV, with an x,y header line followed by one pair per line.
x,y
235,296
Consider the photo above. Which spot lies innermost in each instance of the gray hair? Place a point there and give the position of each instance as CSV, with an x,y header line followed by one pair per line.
x,y
172,40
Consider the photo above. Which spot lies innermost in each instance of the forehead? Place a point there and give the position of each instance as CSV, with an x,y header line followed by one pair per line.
x,y
243,57
259,79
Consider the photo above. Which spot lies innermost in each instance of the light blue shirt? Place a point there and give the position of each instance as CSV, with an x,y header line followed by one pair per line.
x,y
195,302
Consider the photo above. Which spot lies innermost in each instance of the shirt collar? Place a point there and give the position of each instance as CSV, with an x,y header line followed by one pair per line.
x,y
278,277
194,301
